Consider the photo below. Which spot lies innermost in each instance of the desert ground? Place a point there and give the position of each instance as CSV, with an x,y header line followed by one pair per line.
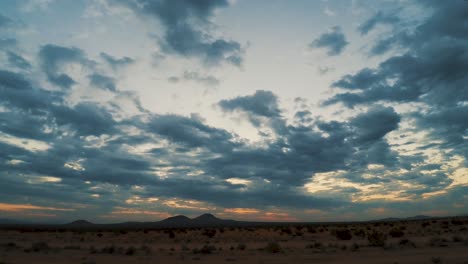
x,y
422,241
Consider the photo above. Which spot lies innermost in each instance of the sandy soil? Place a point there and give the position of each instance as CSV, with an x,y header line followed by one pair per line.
x,y
427,241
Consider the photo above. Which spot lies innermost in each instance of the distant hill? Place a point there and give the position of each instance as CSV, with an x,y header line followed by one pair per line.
x,y
390,219
7,221
178,220
204,220
80,223
418,217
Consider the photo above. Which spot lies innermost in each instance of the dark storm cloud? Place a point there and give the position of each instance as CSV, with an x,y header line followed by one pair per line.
x,y
116,63
53,58
186,24
432,71
18,61
102,81
334,41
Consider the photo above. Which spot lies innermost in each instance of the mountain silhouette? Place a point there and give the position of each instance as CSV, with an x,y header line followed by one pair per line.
x,y
178,220
80,223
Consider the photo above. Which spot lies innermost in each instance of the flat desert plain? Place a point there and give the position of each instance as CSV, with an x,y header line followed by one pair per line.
x,y
422,241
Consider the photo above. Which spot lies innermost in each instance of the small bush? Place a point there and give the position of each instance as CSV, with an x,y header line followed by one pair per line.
x,y
286,231
317,245
354,247
343,234
360,233
206,249
273,247
184,248
438,242
130,251
436,260
92,250
145,249
171,234
40,246
396,232
209,233
376,239
241,247
407,243
457,238
72,247
108,250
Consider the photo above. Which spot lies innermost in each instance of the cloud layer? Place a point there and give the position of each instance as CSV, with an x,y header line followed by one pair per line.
x,y
76,139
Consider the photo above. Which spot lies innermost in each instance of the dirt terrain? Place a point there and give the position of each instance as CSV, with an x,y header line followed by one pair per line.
x,y
422,241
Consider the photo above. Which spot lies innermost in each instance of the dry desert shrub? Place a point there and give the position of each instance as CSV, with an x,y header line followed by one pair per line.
x,y
130,251
406,243
376,239
396,232
343,234
438,242
273,247
39,246
241,247
206,249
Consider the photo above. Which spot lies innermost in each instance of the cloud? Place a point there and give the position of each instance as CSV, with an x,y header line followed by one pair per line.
x,y
334,41
431,71
375,124
208,80
116,63
27,207
261,108
5,22
54,58
7,43
187,29
379,18
102,81
18,61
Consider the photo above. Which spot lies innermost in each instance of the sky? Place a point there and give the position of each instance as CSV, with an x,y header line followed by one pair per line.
x,y
265,110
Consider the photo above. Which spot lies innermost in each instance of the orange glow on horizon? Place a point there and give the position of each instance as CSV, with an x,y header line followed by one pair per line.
x,y
25,207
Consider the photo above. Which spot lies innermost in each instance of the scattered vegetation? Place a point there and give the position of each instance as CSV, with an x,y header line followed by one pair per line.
x,y
406,243
396,232
241,247
273,247
360,233
206,249
130,251
343,234
39,247
210,233
354,247
438,242
376,239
